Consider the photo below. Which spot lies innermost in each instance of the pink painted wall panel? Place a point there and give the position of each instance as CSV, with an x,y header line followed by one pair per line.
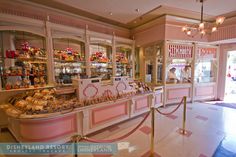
x,y
47,130
177,93
173,32
141,103
107,113
150,35
204,91
158,98
223,33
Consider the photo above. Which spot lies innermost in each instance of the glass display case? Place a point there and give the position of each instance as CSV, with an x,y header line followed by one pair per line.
x,y
206,65
205,71
123,61
101,61
23,60
69,60
154,63
178,71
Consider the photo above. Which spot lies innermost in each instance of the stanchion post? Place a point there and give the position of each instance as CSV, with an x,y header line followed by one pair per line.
x,y
75,140
184,115
152,131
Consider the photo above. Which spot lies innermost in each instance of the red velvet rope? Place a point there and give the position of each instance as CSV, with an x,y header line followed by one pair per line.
x,y
119,138
171,111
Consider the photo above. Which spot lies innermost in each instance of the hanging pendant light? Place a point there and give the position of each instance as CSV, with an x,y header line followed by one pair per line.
x,y
202,28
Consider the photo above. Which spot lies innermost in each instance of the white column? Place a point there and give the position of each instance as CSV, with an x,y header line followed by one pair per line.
x,y
142,64
165,57
193,71
133,59
113,55
50,59
87,52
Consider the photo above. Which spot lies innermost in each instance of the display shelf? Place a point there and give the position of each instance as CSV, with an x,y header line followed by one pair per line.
x,y
101,61
24,62
123,61
69,60
25,89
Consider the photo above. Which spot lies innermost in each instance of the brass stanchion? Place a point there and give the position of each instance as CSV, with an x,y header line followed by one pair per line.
x,y
152,132
183,131
76,139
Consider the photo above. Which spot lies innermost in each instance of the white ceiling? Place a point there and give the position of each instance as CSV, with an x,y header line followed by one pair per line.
x,y
123,11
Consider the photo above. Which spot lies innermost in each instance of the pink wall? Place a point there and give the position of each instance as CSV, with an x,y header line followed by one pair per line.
x,y
40,13
173,32
150,35
224,33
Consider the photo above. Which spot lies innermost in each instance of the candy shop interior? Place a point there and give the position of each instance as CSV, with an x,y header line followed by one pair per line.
x,y
94,71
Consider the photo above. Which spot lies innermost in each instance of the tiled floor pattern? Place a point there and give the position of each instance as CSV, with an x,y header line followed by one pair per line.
x,y
207,126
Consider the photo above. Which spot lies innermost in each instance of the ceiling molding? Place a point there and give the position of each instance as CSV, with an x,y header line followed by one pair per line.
x,y
40,4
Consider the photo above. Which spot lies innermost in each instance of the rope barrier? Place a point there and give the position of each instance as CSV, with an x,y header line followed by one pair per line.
x,y
166,114
119,138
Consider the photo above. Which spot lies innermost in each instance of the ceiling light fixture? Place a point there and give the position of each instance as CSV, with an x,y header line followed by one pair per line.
x,y
202,28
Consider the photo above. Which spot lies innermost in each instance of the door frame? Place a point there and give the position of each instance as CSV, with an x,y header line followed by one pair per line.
x,y
224,49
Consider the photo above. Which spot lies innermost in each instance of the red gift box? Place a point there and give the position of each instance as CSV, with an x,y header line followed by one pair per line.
x,y
11,54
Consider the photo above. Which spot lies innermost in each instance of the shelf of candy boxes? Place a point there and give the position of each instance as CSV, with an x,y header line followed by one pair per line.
x,y
99,57
26,52
26,69
120,58
26,83
68,55
140,87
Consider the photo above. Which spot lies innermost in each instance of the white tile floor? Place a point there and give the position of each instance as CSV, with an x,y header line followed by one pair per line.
x,y
209,124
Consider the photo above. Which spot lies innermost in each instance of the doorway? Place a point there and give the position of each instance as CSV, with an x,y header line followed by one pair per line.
x,y
230,80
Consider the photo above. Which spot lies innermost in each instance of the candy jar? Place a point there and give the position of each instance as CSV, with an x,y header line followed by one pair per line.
x,y
36,82
26,82
41,70
7,72
17,85
42,81
19,71
8,86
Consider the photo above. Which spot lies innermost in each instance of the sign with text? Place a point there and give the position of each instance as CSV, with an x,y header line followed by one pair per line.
x,y
180,51
206,52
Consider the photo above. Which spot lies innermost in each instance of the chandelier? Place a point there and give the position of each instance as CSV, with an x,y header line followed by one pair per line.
x,y
202,28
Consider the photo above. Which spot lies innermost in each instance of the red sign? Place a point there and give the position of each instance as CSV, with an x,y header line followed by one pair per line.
x,y
180,51
207,52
